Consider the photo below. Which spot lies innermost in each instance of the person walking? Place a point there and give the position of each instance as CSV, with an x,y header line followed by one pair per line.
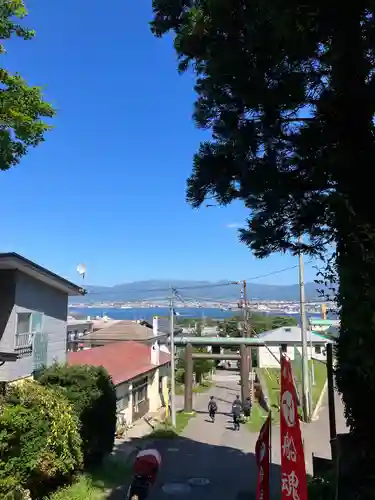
x,y
236,413
212,408
247,409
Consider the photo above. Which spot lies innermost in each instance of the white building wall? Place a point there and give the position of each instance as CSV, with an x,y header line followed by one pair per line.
x,y
125,397
267,360
153,391
124,402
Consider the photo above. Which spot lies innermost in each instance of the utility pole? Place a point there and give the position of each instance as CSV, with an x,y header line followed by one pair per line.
x,y
247,334
245,310
173,384
305,360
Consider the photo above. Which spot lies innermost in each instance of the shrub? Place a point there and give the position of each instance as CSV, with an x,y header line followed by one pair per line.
x,y
40,446
92,394
321,487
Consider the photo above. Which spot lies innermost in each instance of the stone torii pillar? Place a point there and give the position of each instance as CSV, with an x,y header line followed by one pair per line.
x,y
188,403
244,371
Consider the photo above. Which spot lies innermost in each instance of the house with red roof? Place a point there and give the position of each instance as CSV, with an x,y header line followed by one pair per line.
x,y
139,373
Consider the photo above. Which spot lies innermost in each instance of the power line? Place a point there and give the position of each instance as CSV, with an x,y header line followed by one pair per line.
x,y
229,302
208,285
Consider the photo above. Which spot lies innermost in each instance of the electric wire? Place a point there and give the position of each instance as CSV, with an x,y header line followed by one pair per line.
x,y
202,286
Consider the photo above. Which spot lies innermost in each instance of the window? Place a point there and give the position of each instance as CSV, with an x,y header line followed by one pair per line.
x,y
318,349
139,391
122,403
27,325
140,382
23,323
36,322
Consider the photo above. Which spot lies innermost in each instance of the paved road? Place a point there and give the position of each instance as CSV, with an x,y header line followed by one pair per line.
x,y
214,451
225,457
316,434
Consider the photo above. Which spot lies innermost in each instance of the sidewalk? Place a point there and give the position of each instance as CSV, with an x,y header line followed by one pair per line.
x,y
136,436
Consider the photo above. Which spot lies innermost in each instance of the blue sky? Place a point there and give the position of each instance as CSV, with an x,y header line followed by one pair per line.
x,y
107,188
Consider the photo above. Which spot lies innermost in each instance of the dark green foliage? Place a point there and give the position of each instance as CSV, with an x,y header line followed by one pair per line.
x,y
321,488
92,394
22,107
258,324
230,327
287,89
40,446
201,367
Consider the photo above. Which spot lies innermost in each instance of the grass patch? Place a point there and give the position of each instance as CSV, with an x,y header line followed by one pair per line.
x,y
320,371
271,376
257,419
165,430
95,484
203,387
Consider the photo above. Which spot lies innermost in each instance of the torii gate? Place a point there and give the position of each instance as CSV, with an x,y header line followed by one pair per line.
x,y
243,357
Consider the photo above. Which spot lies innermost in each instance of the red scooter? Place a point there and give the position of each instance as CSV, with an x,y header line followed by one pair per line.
x,y
145,470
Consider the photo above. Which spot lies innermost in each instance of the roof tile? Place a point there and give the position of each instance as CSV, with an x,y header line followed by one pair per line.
x,y
123,360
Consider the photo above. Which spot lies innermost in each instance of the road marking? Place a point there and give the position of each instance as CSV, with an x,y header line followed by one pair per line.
x,y
176,488
199,481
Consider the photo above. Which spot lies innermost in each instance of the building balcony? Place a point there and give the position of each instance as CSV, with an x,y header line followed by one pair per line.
x,y
24,343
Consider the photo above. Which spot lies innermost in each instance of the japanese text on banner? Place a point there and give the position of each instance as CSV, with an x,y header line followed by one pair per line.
x,y
262,452
293,470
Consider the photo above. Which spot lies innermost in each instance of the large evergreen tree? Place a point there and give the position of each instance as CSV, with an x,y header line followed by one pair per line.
x,y
287,89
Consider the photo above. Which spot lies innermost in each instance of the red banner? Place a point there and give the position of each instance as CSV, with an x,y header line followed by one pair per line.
x,y
293,470
262,453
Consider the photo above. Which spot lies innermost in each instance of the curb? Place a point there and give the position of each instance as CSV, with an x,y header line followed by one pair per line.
x,y
319,403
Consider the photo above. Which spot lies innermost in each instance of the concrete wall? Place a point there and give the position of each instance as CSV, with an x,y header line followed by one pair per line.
x,y
31,295
266,360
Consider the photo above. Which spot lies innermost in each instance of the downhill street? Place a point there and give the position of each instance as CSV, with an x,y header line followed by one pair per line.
x,y
223,457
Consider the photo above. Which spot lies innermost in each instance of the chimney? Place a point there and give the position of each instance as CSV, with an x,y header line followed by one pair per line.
x,y
155,348
155,325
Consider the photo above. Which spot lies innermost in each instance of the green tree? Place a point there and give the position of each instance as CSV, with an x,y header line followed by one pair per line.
x,y
40,445
198,330
93,396
287,90
229,327
259,323
202,367
22,107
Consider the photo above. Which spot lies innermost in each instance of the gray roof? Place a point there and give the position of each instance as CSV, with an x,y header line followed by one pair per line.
x,y
164,326
291,334
14,261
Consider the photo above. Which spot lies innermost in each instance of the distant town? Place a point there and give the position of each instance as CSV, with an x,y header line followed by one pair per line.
x,y
272,306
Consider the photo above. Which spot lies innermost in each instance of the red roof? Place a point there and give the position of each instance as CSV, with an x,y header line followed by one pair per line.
x,y
123,360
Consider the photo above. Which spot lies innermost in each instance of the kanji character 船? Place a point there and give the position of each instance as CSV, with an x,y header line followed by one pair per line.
x,y
289,449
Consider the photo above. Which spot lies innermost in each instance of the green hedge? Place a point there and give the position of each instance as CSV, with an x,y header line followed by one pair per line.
x,y
92,394
40,446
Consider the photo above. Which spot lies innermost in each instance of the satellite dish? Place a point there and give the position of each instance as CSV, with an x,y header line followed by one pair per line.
x,y
81,269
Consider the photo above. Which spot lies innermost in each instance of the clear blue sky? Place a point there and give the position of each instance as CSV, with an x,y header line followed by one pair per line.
x,y
107,188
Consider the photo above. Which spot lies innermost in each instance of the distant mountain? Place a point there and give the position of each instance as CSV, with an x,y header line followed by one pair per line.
x,y
193,290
